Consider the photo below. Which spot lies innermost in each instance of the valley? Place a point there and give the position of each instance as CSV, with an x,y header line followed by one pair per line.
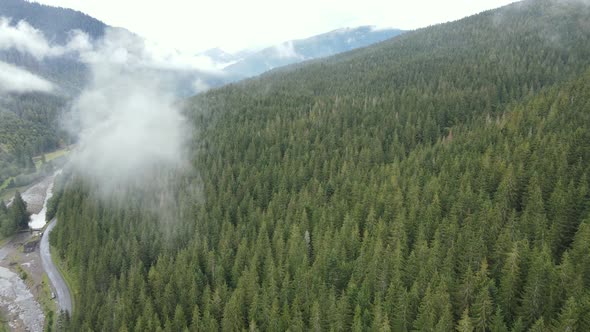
x,y
25,289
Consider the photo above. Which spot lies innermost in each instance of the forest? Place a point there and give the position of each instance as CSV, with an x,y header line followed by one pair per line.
x,y
31,124
437,181
15,217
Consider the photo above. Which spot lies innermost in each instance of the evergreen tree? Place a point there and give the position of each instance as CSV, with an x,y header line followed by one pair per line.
x,y
441,188
482,310
465,324
569,318
19,212
498,324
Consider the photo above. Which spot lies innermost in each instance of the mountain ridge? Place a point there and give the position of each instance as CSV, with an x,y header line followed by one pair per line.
x,y
313,47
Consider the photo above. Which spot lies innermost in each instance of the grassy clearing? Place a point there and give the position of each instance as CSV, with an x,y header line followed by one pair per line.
x,y
43,297
5,183
4,327
4,324
51,155
4,240
7,194
47,304
24,276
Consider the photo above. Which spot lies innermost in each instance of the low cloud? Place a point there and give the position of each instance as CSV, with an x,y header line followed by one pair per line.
x,y
15,79
182,72
129,122
118,46
79,42
122,47
200,86
287,51
24,38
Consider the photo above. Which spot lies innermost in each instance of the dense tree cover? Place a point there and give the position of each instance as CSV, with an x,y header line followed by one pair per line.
x,y
438,181
15,217
29,126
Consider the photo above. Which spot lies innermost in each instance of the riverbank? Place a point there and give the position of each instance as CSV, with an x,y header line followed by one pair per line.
x,y
34,195
21,277
26,294
24,182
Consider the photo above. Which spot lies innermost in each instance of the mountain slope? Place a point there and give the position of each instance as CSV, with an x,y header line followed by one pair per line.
x,y
323,45
30,120
55,22
434,181
56,26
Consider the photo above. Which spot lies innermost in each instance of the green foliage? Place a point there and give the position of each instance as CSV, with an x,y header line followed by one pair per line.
x,y
29,126
19,213
437,181
14,218
465,324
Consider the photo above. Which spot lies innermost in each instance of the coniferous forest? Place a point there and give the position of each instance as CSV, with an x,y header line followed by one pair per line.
x,y
29,126
437,181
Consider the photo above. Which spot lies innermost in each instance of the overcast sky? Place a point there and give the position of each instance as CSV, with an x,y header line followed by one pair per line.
x,y
194,25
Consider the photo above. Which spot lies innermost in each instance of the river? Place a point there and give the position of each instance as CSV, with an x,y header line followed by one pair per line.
x,y
38,219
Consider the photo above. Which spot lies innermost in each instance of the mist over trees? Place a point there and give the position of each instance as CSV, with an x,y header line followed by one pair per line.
x,y
438,181
56,22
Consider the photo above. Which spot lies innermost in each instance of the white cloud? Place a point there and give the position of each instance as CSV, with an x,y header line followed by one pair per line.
x,y
79,42
118,46
236,24
15,79
23,38
121,47
200,86
287,51
129,121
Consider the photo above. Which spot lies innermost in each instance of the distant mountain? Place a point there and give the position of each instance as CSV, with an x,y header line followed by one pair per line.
x,y
219,55
70,74
327,44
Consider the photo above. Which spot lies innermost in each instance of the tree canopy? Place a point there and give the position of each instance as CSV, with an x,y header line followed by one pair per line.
x,y
436,181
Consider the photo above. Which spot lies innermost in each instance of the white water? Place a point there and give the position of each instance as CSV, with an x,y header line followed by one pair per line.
x,y
38,220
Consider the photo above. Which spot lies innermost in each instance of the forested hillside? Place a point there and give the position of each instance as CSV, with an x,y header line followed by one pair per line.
x,y
29,126
437,181
56,25
30,122
49,27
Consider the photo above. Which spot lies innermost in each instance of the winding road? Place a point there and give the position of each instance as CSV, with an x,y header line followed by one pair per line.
x,y
64,299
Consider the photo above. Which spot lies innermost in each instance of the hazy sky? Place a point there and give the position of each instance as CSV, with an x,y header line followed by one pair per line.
x,y
193,25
